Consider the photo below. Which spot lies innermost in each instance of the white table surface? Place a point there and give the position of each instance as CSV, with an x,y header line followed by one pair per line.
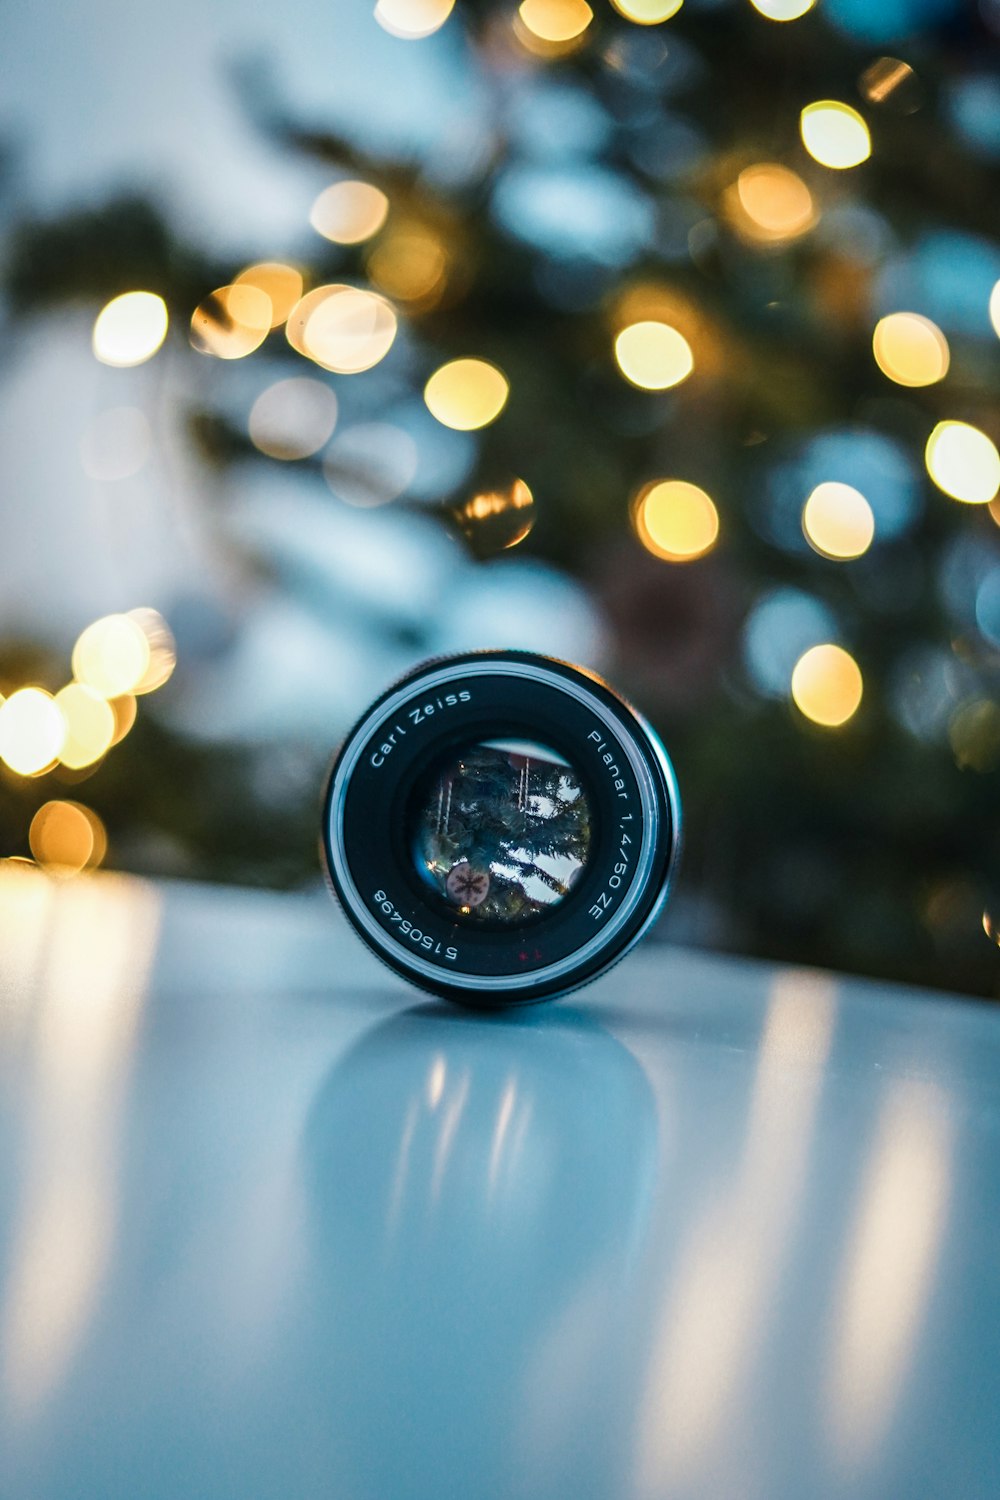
x,y
273,1225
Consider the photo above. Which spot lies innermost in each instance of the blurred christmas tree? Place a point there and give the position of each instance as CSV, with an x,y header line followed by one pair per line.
x,y
703,308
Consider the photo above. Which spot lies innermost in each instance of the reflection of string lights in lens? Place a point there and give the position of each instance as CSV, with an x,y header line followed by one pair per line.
x,y
349,212
827,685
770,204
653,356
130,329
342,328
555,21
90,725
293,418
281,284
834,134
783,10
892,82
495,520
412,19
647,12
838,521
963,462
910,349
675,520
111,656
466,394
32,731
232,322
66,838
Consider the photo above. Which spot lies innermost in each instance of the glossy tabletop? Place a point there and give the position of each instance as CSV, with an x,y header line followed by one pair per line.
x,y
272,1225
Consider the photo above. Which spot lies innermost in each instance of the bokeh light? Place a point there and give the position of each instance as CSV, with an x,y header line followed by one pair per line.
x,y
130,329
648,12
556,22
409,263
162,649
89,725
974,735
232,322
653,356
675,520
770,204
834,134
32,731
496,520
783,10
838,521
827,685
412,19
280,283
293,418
963,462
342,328
349,212
890,82
910,349
466,394
66,838
370,464
125,708
111,656
995,309
116,443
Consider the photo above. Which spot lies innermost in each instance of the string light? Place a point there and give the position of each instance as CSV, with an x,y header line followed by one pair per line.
x,y
647,12
466,394
827,685
281,284
32,731
834,134
782,10
995,309
838,521
770,204
130,329
412,19
349,212
162,650
232,322
963,462
653,356
111,656
342,328
89,725
910,349
66,837
558,25
409,263
675,520
293,418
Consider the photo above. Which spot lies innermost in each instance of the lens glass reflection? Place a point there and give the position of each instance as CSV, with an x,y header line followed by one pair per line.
x,y
500,830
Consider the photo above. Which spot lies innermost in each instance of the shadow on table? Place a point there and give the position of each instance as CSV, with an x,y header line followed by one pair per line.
x,y
479,1190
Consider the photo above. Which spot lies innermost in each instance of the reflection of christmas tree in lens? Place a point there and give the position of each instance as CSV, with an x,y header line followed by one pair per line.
x,y
502,831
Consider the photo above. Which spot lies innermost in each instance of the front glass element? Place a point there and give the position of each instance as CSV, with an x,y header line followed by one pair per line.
x,y
500,831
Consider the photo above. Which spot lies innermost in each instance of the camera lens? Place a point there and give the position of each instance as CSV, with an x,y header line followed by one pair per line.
x,y
501,827
500,831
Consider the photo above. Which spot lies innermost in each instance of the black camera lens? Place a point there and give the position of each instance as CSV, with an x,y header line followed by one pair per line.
x,y
500,827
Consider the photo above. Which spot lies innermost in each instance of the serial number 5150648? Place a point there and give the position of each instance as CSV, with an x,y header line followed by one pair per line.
x,y
415,935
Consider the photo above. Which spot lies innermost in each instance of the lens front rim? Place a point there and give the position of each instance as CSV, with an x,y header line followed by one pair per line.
x,y
468,684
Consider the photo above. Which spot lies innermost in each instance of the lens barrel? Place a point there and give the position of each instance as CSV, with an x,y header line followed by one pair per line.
x,y
500,827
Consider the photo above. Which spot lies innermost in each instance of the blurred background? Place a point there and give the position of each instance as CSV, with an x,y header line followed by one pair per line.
x,y
661,337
